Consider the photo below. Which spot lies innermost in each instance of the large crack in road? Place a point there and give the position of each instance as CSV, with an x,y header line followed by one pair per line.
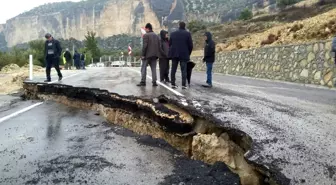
x,y
198,135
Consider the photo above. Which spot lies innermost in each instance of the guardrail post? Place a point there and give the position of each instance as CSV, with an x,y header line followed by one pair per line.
x,y
31,67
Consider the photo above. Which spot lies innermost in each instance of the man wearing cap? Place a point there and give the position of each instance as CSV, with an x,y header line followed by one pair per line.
x,y
52,53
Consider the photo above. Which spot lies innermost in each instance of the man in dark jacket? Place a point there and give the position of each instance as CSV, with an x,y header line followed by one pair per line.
x,y
150,54
76,58
52,53
68,58
209,57
82,60
163,59
181,46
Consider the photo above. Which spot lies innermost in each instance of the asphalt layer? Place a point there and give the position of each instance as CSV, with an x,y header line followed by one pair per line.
x,y
55,144
293,128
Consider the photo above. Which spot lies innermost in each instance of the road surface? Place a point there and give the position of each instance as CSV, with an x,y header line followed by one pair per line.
x,y
293,128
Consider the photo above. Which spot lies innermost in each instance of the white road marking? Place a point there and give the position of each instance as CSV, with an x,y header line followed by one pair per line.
x,y
65,78
30,107
163,85
19,112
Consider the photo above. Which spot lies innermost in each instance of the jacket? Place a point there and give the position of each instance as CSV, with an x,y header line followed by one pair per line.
x,y
209,49
67,56
181,45
164,44
56,47
76,57
333,48
64,60
151,46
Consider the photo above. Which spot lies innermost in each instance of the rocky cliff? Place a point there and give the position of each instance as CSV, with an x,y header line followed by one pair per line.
x,y
112,17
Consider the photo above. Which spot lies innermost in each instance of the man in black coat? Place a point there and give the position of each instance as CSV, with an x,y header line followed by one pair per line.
x,y
68,58
181,46
52,53
76,58
209,57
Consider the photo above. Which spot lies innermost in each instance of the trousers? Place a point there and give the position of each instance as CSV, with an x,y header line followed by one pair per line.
x,y
52,61
183,64
164,69
152,64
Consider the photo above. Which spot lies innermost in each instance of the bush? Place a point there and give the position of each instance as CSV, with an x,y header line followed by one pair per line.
x,y
284,3
246,14
195,26
15,56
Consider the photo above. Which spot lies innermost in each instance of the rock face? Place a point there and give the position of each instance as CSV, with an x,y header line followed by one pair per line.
x,y
112,17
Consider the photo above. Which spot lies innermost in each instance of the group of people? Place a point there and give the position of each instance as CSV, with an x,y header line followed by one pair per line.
x,y
178,48
79,59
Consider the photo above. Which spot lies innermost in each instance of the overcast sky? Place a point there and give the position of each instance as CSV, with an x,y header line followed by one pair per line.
x,y
12,8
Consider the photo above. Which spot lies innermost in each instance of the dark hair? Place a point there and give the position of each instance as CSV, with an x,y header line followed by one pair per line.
x,y
182,25
149,26
47,36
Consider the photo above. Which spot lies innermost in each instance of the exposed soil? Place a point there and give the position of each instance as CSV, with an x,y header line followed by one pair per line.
x,y
204,138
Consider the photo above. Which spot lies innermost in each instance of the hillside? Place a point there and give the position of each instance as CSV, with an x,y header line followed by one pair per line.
x,y
114,17
297,24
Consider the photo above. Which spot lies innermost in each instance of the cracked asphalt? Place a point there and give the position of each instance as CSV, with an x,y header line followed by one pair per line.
x,y
293,128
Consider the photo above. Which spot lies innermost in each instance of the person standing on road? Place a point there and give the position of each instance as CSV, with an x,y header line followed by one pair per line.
x,y
333,48
67,57
52,52
181,46
163,59
150,54
76,58
82,58
209,57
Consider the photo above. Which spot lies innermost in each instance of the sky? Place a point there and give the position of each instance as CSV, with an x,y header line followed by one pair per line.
x,y
13,8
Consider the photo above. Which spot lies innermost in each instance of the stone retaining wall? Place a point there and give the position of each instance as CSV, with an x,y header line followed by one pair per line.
x,y
311,63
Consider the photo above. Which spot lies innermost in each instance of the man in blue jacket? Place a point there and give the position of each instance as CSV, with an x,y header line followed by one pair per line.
x,y
52,54
181,46
209,57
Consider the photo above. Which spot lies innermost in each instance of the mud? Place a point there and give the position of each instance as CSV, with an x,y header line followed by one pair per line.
x,y
203,137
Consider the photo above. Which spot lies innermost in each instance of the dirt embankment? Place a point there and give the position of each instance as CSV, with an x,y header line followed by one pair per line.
x,y
12,77
298,24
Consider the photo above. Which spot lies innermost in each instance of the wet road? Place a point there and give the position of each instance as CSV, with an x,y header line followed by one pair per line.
x,y
55,144
293,128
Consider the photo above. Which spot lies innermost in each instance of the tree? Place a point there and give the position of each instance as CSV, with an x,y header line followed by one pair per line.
x,y
36,48
91,45
246,14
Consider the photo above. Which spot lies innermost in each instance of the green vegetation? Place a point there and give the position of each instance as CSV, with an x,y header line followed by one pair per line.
x,y
196,26
246,14
15,56
284,3
91,45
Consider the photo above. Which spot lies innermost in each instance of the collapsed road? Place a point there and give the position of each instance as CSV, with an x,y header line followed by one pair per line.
x,y
292,128
197,135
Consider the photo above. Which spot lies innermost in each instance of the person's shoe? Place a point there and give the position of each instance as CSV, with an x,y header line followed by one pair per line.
x,y
47,80
184,87
207,85
174,86
60,78
141,84
155,84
